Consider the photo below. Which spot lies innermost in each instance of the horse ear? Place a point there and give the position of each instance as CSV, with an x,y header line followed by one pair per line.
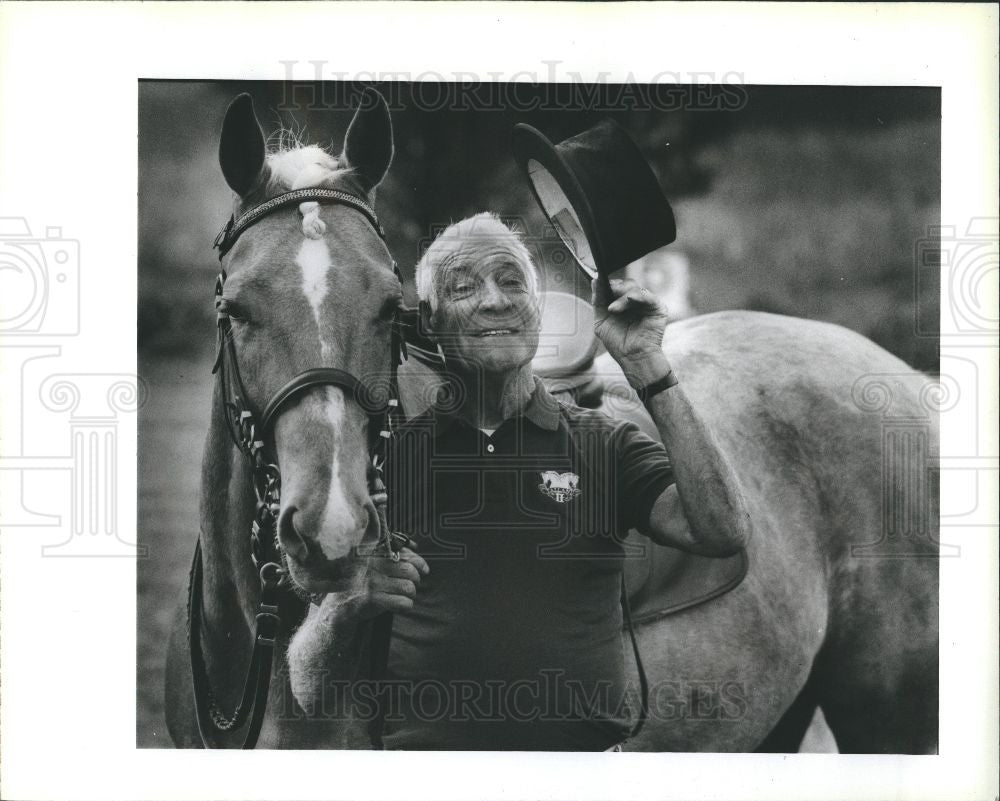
x,y
368,144
241,148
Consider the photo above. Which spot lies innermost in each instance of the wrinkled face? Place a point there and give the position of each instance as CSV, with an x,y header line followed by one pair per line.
x,y
299,302
487,314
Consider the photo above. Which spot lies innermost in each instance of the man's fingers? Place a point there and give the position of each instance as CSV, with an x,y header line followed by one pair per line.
x,y
401,569
620,286
625,294
378,602
385,602
415,559
635,297
392,586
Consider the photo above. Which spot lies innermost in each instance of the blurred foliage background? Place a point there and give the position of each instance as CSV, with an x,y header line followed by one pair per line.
x,y
801,200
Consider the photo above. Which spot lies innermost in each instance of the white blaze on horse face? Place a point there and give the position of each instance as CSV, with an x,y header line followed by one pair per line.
x,y
314,260
337,507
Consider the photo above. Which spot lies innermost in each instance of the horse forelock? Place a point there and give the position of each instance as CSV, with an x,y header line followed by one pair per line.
x,y
301,167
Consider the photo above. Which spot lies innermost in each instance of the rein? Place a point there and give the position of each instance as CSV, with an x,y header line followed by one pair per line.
x,y
250,431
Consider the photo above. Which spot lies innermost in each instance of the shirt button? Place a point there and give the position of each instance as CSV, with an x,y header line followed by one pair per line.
x,y
490,447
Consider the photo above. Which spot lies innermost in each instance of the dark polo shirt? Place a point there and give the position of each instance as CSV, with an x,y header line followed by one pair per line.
x,y
514,642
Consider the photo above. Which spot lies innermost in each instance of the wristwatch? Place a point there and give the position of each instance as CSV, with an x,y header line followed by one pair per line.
x,y
655,388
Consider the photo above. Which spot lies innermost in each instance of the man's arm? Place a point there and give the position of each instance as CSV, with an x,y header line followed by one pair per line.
x,y
704,511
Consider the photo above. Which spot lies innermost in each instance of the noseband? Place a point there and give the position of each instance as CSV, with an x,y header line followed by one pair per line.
x,y
251,432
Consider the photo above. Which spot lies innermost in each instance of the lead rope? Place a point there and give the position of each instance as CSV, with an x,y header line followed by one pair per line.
x,y
643,681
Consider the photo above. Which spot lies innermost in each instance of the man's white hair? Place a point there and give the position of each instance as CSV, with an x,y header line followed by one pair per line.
x,y
462,241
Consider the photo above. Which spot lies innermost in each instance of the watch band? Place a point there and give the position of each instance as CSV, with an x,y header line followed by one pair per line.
x,y
660,384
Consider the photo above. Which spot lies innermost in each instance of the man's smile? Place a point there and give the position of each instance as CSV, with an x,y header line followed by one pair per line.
x,y
495,332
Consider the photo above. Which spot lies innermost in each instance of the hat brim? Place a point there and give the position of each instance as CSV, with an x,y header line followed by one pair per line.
x,y
528,143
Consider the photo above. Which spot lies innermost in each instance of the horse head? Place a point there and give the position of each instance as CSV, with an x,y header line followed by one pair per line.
x,y
309,286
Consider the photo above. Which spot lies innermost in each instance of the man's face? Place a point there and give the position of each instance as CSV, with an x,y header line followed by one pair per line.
x,y
487,313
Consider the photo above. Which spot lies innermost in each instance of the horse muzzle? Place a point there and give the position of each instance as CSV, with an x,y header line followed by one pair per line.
x,y
317,550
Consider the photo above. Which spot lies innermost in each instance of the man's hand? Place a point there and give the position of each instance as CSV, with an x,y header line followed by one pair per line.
x,y
326,646
630,322
368,585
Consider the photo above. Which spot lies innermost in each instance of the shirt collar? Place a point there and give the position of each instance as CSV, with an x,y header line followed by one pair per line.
x,y
542,410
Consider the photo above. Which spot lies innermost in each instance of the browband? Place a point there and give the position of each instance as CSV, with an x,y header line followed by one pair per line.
x,y
231,232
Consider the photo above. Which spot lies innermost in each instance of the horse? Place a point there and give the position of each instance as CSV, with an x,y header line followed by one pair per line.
x,y
833,440
831,437
307,300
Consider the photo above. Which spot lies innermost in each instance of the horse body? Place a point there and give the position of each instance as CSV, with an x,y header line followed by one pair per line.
x,y
833,612
834,597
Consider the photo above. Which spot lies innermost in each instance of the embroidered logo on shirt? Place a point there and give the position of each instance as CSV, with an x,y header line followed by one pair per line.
x,y
560,487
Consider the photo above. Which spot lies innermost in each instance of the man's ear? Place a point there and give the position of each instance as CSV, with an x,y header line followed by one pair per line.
x,y
241,147
368,143
425,316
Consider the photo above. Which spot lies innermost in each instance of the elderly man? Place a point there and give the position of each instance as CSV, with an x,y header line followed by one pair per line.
x,y
507,632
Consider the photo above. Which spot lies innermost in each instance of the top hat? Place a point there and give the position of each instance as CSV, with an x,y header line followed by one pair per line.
x,y
599,193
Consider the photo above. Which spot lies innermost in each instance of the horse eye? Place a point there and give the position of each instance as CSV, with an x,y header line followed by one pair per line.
x,y
234,310
390,308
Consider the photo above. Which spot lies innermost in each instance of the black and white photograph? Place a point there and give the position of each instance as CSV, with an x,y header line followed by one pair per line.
x,y
538,417
521,401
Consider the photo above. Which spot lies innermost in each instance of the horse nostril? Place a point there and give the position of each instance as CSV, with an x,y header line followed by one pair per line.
x,y
294,543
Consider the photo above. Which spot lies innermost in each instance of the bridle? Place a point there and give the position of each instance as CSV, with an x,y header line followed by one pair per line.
x,y
250,431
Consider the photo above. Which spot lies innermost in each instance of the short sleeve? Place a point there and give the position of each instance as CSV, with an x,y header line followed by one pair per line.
x,y
643,472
